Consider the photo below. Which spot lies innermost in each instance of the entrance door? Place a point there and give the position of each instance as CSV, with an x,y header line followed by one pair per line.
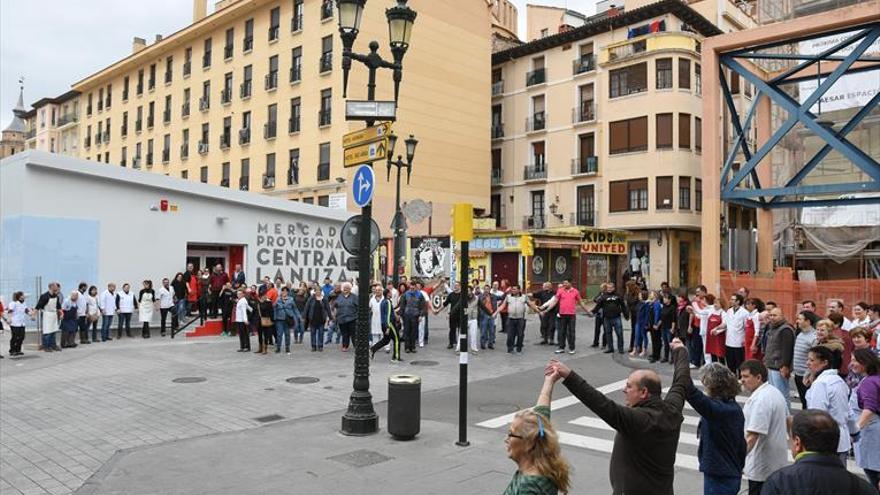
x,y
505,265
207,256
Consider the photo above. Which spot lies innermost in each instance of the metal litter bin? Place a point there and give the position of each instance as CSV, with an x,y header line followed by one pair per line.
x,y
404,406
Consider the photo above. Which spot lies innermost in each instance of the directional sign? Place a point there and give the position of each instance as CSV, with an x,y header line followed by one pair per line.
x,y
365,153
368,135
370,110
363,185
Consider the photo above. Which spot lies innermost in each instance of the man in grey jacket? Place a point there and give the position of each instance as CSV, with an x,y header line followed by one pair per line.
x,y
779,352
346,310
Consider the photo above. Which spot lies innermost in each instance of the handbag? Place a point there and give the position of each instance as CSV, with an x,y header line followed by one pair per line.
x,y
265,321
92,317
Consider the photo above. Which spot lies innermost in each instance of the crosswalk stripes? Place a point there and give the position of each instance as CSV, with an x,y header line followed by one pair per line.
x,y
592,433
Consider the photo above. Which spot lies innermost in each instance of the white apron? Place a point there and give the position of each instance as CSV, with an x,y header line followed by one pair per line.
x,y
145,308
50,317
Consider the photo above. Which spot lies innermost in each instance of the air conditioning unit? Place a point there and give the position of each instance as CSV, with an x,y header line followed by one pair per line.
x,y
268,182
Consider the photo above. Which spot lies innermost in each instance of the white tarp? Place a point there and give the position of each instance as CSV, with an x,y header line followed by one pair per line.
x,y
841,232
842,216
850,91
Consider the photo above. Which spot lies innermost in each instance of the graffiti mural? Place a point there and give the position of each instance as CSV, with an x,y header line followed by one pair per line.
x,y
431,257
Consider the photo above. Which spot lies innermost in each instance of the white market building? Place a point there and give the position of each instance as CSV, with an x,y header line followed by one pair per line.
x,y
70,220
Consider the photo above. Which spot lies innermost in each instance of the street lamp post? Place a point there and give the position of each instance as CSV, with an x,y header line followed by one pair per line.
x,y
360,418
399,221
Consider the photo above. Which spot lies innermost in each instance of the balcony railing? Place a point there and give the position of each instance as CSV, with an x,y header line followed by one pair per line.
x,y
203,147
535,172
534,222
497,88
270,129
536,76
138,125
106,136
584,218
296,23
627,50
184,150
538,122
585,165
184,110
248,44
246,89
274,32
151,84
167,77
166,155
293,125
326,62
87,143
204,104
244,135
268,181
67,119
497,131
295,74
166,116
326,10
271,80
324,117
140,91
150,120
496,176
226,96
187,68
585,112
206,60
225,138
123,131
149,159
244,183
227,52
585,64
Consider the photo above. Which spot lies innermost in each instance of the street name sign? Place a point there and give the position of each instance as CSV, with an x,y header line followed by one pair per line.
x,y
365,153
368,135
370,110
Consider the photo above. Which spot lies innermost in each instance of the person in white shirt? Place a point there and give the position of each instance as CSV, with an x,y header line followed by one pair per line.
x,y
109,306
93,312
734,328
19,315
766,415
376,314
860,316
166,302
126,304
830,393
242,308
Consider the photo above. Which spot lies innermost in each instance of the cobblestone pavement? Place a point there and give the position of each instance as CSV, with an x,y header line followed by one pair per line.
x,y
64,415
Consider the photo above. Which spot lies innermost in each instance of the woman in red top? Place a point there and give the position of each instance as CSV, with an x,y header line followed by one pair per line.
x,y
192,293
755,307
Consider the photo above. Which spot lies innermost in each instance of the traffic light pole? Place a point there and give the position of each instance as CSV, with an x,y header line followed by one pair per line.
x,y
463,345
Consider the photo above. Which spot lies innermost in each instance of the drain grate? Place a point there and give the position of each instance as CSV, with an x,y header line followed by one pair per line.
x,y
361,458
424,363
302,380
190,379
269,419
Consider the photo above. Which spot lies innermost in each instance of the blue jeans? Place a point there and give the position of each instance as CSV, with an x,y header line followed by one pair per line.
x,y
720,485
49,341
487,330
298,328
180,307
641,337
317,337
614,324
106,323
666,338
779,383
282,332
332,328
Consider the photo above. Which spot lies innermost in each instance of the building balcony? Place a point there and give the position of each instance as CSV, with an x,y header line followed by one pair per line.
x,y
225,139
204,104
585,112
296,23
166,155
588,165
206,60
203,147
295,74
87,142
270,129
274,32
535,172
497,131
244,135
586,63
138,125
268,181
123,131
184,110
226,96
149,160
583,218
247,44
224,182
534,222
187,68
324,117
184,151
150,121
168,78
271,80
245,89
538,122
106,136
166,116
227,52
537,76
151,84
496,177
244,183
497,88
69,118
665,41
326,10
293,125
326,62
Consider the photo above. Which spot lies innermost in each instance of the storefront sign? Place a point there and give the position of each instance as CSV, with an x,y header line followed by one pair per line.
x,y
495,244
484,224
603,242
299,251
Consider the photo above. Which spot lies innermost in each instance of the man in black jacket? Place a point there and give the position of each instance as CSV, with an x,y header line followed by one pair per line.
x,y
612,308
648,426
817,468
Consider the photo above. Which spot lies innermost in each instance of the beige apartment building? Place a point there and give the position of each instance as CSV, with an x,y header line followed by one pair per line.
x,y
250,97
53,124
599,127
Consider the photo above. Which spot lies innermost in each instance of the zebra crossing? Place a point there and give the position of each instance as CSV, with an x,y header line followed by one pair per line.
x,y
578,427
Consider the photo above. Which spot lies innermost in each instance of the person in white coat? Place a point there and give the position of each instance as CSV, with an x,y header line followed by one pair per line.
x,y
242,308
166,302
109,307
146,303
126,302
376,314
49,305
830,393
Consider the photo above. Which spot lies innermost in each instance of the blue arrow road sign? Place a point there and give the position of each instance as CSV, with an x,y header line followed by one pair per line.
x,y
362,186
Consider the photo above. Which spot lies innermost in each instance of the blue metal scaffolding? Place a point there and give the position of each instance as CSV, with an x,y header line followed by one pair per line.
x,y
795,194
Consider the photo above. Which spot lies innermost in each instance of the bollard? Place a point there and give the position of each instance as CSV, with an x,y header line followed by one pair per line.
x,y
404,406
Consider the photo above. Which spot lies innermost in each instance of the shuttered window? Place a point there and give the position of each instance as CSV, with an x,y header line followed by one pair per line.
x,y
684,131
664,130
684,73
698,133
664,193
698,194
628,135
628,80
628,195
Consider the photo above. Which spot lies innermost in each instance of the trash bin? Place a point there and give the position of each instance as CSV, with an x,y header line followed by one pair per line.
x,y
404,406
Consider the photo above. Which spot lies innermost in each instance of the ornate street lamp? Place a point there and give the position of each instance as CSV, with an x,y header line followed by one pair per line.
x,y
399,226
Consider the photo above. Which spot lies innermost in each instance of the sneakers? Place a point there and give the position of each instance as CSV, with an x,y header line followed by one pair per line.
x,y
571,351
608,351
559,351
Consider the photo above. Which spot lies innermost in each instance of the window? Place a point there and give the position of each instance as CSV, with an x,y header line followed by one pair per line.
x,y
166,148
296,64
538,73
149,152
187,62
203,175
664,131
545,32
664,73
203,142
109,96
325,113
184,145
628,195
226,136
139,119
628,135
698,194
230,44
246,85
226,95
698,80
293,125
124,130
734,83
272,76
125,88
269,178
248,42
684,73
324,200
244,134
184,109
539,159
136,162
224,180
124,156
151,114
293,167
495,209
537,217
166,114
205,100
184,174
684,131
88,111
698,133
140,85
326,54
309,201
324,161
664,193
326,9
100,100
151,82
271,128
684,193
206,58
586,206
244,180
274,23
628,80
296,22
169,69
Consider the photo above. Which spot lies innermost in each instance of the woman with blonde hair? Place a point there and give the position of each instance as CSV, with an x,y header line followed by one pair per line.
x,y
533,444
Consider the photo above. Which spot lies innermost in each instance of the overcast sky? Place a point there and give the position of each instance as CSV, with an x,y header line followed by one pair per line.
x,y
53,43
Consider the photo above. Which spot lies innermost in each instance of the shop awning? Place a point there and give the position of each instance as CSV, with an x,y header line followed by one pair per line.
x,y
558,243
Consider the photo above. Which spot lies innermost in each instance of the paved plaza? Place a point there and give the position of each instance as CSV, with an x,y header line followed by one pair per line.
x,y
111,419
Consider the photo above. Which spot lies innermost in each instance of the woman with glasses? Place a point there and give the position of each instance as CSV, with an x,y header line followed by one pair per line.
x,y
533,444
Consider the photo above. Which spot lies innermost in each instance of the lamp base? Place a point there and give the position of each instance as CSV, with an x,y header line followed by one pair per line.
x,y
359,426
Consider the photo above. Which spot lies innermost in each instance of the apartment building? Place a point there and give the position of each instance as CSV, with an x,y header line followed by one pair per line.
x,y
53,124
250,97
597,129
